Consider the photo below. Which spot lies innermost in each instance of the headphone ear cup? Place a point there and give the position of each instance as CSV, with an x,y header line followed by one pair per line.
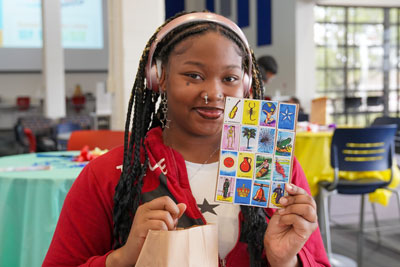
x,y
247,84
154,78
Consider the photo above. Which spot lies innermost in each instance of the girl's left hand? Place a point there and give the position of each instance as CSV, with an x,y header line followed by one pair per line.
x,y
290,227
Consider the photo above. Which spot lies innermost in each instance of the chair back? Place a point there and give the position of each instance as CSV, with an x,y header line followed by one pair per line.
x,y
67,127
363,149
303,117
391,120
25,138
103,139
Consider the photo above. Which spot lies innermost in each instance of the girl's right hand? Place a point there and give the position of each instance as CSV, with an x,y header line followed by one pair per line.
x,y
159,214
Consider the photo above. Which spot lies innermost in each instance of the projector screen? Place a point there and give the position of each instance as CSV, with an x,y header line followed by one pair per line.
x,y
84,35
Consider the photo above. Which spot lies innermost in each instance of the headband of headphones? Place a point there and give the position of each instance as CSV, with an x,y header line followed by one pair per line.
x,y
151,68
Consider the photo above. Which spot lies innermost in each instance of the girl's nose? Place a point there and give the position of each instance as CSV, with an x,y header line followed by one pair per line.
x,y
212,92
207,98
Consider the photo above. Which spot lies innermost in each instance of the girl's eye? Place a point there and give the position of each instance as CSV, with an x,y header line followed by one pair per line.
x,y
194,76
230,79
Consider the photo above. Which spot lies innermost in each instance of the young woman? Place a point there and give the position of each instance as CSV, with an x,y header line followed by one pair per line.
x,y
164,176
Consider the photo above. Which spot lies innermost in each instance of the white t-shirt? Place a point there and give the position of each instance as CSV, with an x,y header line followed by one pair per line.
x,y
202,179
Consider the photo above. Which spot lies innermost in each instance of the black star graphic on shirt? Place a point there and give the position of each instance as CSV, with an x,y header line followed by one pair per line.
x,y
207,207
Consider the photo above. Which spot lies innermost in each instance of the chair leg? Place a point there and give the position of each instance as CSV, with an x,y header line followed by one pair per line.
x,y
324,220
394,191
361,233
376,222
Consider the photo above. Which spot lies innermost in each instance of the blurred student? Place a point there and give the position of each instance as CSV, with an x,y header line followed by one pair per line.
x,y
302,115
268,69
295,100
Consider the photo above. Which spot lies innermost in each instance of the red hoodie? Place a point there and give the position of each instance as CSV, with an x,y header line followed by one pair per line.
x,y
84,233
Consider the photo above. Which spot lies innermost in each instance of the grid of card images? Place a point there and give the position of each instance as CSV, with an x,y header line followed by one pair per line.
x,y
257,147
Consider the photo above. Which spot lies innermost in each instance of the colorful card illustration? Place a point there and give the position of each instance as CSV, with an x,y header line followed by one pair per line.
x,y
260,193
248,138
257,148
268,116
277,191
225,189
245,165
284,143
287,116
233,110
281,170
243,191
264,166
228,163
251,110
230,137
266,140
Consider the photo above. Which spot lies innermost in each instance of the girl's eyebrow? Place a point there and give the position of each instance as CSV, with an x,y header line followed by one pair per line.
x,y
195,63
201,65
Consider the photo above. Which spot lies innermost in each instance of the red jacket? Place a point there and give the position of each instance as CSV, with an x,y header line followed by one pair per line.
x,y
84,233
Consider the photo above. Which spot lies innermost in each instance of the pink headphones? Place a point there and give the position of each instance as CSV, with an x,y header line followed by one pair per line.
x,y
151,67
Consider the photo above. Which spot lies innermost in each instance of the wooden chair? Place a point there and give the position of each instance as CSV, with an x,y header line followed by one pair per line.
x,y
103,139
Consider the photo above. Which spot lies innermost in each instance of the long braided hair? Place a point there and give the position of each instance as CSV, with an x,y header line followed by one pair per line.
x,y
143,101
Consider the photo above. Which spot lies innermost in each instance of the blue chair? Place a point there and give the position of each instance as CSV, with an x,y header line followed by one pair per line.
x,y
360,149
391,120
63,132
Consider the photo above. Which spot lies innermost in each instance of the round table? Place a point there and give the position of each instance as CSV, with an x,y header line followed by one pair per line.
x,y
32,191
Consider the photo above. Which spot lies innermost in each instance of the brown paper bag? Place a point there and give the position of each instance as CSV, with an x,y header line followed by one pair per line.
x,y
193,247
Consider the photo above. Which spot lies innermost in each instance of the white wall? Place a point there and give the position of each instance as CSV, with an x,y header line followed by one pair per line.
x,y
132,23
283,47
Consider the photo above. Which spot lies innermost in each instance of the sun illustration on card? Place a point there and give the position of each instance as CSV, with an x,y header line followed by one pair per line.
x,y
228,164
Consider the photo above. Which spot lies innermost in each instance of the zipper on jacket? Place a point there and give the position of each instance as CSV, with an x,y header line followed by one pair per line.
x,y
222,262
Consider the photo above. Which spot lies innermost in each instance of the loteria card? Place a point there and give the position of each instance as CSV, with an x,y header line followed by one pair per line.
x,y
257,148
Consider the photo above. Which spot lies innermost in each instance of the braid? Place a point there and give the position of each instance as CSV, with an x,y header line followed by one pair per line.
x,y
253,229
128,190
127,195
258,92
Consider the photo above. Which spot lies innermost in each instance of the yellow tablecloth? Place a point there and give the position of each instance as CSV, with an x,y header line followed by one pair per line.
x,y
313,152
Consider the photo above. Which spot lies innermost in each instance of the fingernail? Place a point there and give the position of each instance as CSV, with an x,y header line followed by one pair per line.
x,y
283,200
289,186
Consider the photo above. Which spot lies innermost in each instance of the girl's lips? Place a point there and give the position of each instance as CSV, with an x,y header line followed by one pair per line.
x,y
209,113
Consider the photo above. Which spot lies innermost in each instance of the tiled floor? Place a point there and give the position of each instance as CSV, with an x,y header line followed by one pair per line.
x,y
385,254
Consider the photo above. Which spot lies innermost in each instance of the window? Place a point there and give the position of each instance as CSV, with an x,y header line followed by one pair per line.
x,y
358,61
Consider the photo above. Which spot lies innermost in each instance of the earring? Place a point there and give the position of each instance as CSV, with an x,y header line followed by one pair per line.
x,y
164,109
206,99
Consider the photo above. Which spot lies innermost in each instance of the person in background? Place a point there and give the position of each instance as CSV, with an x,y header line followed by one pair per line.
x,y
164,176
295,100
268,69
302,115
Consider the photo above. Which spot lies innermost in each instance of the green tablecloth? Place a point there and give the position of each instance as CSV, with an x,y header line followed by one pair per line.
x,y
30,203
